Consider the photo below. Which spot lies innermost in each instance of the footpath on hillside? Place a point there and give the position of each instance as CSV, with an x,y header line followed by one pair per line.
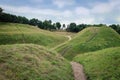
x,y
78,71
69,38
76,67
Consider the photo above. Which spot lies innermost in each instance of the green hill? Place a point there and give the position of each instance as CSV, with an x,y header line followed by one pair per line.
x,y
13,33
90,39
32,62
102,64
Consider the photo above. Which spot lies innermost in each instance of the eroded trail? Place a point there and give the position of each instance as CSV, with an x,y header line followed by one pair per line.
x,y
69,38
78,71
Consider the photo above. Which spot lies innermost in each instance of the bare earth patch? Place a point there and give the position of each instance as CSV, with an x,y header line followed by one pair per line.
x,y
69,38
78,71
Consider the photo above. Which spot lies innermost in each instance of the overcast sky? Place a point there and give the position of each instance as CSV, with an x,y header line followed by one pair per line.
x,y
66,11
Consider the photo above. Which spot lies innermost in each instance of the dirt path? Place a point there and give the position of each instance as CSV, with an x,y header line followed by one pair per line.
x,y
78,71
69,38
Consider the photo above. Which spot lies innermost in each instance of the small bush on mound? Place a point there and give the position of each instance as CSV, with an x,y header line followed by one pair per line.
x,y
32,62
101,65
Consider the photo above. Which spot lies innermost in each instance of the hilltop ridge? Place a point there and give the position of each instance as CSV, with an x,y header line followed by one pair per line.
x,y
90,39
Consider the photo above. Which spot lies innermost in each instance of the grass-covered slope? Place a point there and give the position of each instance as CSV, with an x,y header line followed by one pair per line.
x,y
101,65
32,62
90,39
11,33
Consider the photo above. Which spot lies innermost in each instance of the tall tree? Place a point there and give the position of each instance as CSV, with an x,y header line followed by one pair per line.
x,y
46,24
54,26
115,27
64,26
58,25
81,26
33,22
40,24
1,10
71,27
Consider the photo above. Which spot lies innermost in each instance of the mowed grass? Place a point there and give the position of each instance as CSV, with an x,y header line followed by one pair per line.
x,y
32,62
102,64
13,33
88,40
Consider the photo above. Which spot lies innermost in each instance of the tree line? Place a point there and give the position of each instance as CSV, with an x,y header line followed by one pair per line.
x,y
73,27
48,25
116,27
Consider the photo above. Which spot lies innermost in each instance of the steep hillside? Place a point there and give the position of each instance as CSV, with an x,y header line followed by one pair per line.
x,y
32,62
101,65
12,33
90,39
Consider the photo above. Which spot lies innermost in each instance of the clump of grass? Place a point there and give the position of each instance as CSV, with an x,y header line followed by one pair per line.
x,y
32,62
101,65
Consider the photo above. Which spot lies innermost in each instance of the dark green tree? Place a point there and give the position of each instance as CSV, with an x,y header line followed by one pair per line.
x,y
4,17
33,22
64,26
46,24
58,25
40,24
71,27
22,20
1,10
81,26
54,26
115,27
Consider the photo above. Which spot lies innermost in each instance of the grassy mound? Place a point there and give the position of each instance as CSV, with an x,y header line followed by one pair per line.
x,y
11,33
101,65
32,62
90,39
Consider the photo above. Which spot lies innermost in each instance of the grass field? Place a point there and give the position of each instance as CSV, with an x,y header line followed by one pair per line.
x,y
101,65
96,48
88,40
32,62
11,33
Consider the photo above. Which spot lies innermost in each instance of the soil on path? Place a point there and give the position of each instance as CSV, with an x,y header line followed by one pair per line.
x,y
78,71
69,38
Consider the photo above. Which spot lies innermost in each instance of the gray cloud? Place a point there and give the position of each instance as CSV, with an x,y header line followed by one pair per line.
x,y
107,12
